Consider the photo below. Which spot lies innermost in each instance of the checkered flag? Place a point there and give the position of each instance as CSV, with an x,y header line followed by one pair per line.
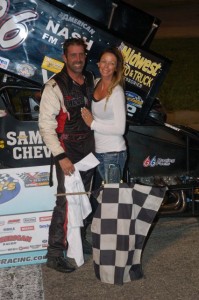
x,y
4,177
119,229
4,180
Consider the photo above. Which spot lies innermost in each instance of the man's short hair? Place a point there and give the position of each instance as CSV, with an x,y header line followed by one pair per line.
x,y
73,41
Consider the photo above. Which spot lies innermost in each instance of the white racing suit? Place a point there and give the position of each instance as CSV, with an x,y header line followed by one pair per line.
x,y
66,135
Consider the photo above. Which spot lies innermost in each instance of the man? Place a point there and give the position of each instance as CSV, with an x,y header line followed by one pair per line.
x,y
69,139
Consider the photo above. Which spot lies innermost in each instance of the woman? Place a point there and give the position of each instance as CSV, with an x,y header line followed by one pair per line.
x,y
108,118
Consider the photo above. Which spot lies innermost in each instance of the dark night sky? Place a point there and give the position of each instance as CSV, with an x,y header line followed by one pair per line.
x,y
179,18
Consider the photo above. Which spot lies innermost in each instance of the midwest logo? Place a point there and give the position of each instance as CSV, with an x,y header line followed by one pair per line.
x,y
138,67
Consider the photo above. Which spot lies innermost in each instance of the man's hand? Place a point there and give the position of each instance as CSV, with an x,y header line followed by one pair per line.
x,y
67,166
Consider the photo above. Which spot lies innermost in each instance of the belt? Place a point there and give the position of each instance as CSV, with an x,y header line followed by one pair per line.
x,y
74,137
114,152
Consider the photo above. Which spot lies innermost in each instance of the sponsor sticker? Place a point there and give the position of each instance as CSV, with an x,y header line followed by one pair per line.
x,y
25,70
35,179
44,226
27,228
134,101
14,221
29,220
9,188
157,161
4,62
44,219
52,64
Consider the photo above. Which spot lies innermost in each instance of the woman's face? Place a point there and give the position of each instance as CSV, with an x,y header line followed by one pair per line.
x,y
107,65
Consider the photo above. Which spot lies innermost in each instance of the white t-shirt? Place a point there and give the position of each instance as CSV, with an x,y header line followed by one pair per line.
x,y
109,125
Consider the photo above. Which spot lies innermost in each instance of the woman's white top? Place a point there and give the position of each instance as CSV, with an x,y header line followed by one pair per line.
x,y
109,125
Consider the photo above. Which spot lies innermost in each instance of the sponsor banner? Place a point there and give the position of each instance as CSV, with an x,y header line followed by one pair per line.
x,y
26,144
26,204
23,258
24,232
22,141
36,30
141,68
25,190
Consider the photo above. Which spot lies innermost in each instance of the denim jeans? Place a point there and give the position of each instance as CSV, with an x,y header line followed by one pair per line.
x,y
110,164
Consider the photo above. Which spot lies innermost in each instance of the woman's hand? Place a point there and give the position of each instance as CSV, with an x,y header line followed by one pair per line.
x,y
87,116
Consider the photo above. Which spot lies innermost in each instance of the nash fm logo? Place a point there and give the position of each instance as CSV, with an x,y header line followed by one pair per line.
x,y
9,188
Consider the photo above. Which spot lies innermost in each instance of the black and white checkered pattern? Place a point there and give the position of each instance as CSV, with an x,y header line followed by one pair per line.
x,y
4,181
4,177
119,229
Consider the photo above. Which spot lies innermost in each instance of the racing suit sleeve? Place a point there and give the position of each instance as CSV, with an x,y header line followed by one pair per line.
x,y
50,106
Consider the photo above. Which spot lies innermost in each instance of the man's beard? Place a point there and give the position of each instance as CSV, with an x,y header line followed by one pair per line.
x,y
76,68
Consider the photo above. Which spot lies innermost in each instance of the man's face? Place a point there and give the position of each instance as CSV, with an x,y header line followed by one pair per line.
x,y
75,59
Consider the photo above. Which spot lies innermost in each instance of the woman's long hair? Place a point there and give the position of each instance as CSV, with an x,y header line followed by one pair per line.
x,y
118,77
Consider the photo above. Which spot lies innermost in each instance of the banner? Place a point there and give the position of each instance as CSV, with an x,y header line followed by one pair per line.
x,y
26,204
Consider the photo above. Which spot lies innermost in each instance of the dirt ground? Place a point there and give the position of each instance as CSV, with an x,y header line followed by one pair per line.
x,y
169,264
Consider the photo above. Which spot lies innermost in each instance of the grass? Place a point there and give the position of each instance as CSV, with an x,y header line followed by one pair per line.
x,y
180,89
